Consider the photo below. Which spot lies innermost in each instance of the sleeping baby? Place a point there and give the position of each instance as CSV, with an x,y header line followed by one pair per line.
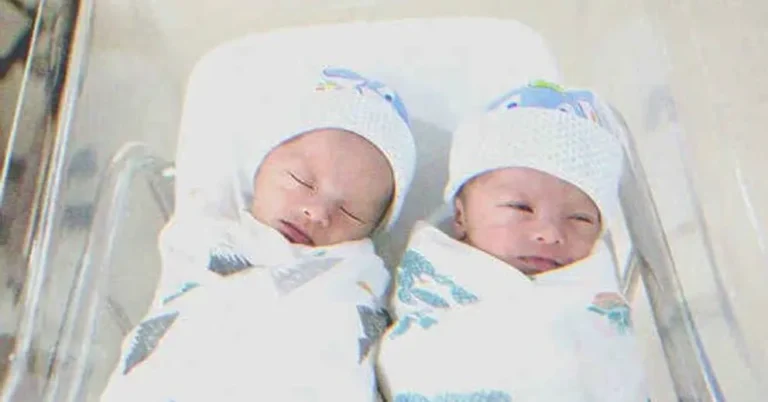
x,y
280,298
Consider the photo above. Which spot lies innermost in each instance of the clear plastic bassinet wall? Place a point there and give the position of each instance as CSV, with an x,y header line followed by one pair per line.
x,y
90,97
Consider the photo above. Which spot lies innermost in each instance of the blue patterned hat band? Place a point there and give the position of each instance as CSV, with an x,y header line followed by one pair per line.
x,y
547,95
335,78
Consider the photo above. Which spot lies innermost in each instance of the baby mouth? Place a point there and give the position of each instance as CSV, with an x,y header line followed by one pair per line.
x,y
295,235
537,265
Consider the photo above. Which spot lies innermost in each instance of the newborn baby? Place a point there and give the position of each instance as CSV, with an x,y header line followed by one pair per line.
x,y
522,303
281,297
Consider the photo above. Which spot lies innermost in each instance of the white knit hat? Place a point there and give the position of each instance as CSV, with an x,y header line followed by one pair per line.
x,y
544,127
342,100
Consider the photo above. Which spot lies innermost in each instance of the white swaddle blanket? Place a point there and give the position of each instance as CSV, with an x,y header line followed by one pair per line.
x,y
471,328
243,315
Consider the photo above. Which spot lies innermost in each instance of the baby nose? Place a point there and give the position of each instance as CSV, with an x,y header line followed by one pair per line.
x,y
317,213
548,233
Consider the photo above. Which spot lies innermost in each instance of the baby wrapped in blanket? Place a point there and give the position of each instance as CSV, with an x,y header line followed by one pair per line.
x,y
270,287
522,304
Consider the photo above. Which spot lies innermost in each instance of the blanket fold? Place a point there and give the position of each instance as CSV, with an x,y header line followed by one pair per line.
x,y
241,315
469,327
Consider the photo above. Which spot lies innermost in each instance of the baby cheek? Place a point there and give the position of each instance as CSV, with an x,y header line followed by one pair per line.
x,y
496,240
339,233
580,249
275,202
500,224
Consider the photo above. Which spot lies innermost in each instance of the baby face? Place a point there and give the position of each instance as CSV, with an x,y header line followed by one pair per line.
x,y
322,188
529,219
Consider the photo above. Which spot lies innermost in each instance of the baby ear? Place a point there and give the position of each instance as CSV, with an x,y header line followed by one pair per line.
x,y
459,218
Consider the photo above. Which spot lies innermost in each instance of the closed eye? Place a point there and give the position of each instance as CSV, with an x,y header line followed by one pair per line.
x,y
584,218
352,216
520,206
302,182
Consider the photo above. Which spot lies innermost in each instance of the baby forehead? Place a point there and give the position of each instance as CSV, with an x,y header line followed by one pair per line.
x,y
518,175
526,180
330,154
327,140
